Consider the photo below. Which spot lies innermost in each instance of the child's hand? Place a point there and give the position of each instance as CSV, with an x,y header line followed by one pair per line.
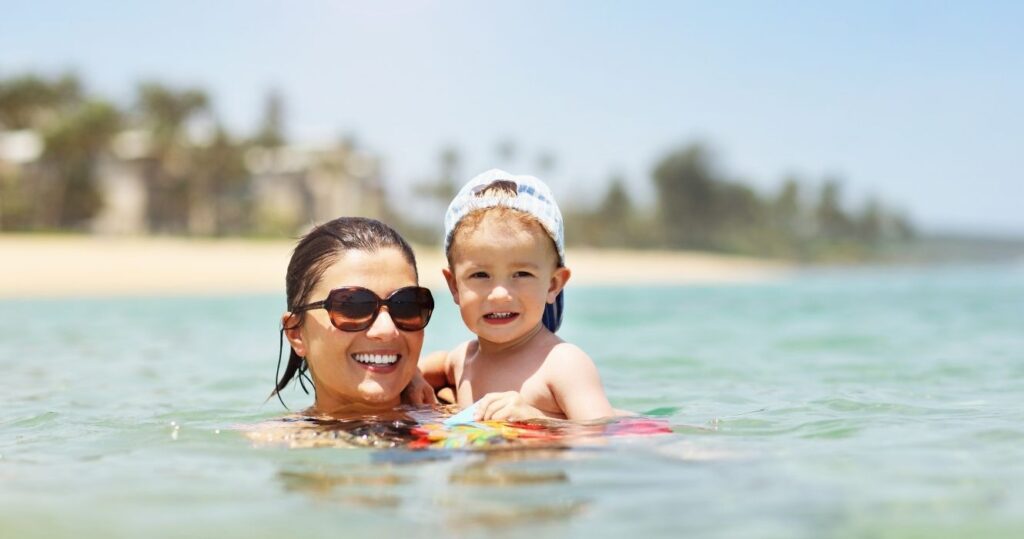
x,y
418,392
507,406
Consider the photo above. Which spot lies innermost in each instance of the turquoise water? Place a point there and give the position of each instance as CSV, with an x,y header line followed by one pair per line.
x,y
835,404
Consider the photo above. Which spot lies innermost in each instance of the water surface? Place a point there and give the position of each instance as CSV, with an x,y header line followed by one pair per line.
x,y
836,404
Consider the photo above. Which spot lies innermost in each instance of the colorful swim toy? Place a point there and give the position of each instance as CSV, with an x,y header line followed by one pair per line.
x,y
461,431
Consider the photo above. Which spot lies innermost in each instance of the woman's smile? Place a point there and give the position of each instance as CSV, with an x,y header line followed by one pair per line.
x,y
382,362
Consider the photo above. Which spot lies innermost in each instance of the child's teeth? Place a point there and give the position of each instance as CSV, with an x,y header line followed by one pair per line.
x,y
500,315
376,359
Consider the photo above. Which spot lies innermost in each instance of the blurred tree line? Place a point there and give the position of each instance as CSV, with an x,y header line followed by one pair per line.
x,y
697,207
59,188
203,178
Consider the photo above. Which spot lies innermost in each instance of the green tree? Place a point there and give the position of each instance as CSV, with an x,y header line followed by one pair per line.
x,y
73,149
685,184
32,102
869,223
165,112
832,221
790,229
222,185
741,220
787,208
614,219
58,191
271,131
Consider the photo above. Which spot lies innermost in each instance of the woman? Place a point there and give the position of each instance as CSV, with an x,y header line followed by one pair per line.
x,y
355,317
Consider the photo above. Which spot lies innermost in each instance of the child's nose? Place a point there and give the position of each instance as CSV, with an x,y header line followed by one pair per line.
x,y
383,327
499,292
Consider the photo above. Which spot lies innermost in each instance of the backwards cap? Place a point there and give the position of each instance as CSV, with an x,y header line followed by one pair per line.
x,y
532,196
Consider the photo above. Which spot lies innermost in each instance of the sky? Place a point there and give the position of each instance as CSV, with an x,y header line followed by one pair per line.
x,y
917,103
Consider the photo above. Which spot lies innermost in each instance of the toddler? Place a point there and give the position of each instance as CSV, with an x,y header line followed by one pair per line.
x,y
504,242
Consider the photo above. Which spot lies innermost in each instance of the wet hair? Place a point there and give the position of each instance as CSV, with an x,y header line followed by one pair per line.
x,y
314,253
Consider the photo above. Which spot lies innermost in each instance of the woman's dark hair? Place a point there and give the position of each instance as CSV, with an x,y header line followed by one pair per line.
x,y
314,253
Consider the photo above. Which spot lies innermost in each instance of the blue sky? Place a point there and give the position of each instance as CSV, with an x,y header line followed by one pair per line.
x,y
917,102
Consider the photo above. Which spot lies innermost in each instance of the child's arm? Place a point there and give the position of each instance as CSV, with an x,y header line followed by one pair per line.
x,y
576,384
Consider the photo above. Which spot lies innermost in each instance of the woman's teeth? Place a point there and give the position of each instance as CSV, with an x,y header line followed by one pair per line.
x,y
376,359
500,315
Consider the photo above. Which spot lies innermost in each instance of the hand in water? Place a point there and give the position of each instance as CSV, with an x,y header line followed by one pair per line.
x,y
506,406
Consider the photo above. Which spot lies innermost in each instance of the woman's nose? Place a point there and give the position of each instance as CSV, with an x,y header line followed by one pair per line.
x,y
383,327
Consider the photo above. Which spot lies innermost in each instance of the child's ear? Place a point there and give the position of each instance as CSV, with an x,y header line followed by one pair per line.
x,y
558,280
290,323
449,278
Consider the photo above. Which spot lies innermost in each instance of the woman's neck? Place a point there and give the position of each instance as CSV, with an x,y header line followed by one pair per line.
x,y
340,409
333,404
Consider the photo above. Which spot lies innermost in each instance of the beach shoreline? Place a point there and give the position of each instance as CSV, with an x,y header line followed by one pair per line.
x,y
58,266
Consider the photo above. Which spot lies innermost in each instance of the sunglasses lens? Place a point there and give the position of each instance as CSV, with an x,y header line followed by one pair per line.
x,y
351,309
411,307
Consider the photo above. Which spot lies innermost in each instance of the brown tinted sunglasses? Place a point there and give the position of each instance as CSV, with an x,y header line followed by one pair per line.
x,y
354,308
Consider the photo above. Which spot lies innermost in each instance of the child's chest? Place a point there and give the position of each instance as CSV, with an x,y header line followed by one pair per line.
x,y
479,378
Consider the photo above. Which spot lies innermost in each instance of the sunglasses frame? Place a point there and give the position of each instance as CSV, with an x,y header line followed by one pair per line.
x,y
381,302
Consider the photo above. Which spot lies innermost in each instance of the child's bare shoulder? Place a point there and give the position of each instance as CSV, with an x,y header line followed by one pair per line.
x,y
567,356
457,355
575,382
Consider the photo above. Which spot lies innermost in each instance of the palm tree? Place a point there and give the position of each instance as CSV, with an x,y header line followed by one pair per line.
x,y
59,191
31,102
73,148
166,112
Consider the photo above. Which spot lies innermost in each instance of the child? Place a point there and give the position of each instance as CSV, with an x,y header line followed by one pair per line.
x,y
506,253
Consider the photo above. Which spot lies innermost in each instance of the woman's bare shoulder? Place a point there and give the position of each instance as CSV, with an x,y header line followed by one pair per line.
x,y
393,428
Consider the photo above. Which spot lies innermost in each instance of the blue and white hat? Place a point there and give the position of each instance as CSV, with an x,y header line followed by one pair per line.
x,y
531,196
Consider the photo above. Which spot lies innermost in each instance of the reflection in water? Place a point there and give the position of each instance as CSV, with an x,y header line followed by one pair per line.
x,y
323,482
323,485
490,475
487,473
491,489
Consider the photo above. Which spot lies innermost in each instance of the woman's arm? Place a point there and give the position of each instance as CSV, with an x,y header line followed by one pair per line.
x,y
434,368
425,384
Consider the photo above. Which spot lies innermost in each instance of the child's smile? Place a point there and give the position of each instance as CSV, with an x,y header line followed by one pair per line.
x,y
500,318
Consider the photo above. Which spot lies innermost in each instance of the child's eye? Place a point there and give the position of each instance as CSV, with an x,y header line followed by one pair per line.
x,y
521,274
478,275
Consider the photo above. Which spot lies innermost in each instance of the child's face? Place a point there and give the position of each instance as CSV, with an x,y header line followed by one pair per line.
x,y
503,273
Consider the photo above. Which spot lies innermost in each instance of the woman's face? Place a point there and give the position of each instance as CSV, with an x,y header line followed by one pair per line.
x,y
341,364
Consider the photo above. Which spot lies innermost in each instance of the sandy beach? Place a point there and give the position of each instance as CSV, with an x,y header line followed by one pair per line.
x,y
33,266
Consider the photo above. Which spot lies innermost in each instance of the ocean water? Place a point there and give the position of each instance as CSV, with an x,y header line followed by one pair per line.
x,y
867,403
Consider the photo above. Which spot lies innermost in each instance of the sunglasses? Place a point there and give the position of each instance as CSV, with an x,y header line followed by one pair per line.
x,y
354,308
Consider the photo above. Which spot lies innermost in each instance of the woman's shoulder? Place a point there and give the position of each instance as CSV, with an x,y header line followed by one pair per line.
x,y
292,430
395,428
